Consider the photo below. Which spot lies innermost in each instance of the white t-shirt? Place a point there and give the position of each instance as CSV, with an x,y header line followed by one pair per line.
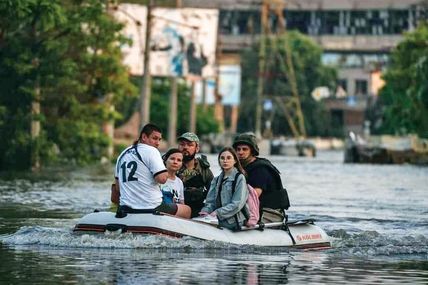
x,y
174,189
138,188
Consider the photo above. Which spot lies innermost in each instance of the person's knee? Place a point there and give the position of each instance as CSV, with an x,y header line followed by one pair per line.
x,y
183,211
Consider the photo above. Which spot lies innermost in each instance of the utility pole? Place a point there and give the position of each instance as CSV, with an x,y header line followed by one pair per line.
x,y
204,94
146,82
172,123
108,125
262,64
192,123
218,106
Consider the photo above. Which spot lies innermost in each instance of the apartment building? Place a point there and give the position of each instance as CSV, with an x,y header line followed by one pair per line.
x,y
357,37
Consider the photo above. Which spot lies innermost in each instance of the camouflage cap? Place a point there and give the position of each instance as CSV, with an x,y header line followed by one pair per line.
x,y
189,137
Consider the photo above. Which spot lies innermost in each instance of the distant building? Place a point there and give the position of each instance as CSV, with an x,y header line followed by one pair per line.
x,y
356,35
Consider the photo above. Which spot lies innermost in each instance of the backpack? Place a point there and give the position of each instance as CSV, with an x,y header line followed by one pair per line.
x,y
252,209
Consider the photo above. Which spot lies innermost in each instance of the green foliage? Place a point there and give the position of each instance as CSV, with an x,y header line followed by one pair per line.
x,y
205,122
69,50
66,55
310,73
405,94
159,108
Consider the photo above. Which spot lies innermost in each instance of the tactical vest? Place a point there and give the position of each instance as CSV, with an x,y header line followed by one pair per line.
x,y
197,186
276,197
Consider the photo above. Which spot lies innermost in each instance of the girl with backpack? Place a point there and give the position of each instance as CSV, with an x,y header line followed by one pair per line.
x,y
226,198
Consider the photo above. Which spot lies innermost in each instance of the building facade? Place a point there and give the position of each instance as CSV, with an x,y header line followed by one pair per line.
x,y
357,37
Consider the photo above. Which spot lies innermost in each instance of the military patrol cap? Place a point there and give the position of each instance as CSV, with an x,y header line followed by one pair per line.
x,y
247,139
191,137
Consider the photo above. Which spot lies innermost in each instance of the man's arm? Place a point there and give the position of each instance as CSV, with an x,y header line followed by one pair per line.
x,y
259,191
156,165
115,192
259,179
161,177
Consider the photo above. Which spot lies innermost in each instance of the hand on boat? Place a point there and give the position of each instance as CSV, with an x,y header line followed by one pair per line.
x,y
203,214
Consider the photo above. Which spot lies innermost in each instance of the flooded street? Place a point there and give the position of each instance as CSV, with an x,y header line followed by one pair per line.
x,y
376,214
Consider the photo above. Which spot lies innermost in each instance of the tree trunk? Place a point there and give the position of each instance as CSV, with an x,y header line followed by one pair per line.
x,y
35,127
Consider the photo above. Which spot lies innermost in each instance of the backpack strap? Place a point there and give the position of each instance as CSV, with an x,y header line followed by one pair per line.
x,y
233,192
204,171
220,187
203,160
234,182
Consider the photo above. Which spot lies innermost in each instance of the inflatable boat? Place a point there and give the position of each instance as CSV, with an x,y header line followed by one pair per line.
x,y
297,234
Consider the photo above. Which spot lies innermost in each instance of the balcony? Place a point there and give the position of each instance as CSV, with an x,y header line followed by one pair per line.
x,y
342,43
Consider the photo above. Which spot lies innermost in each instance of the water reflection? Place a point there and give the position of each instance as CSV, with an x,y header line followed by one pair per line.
x,y
196,268
93,266
36,265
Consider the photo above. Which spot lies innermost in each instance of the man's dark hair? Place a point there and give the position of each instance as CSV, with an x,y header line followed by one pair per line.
x,y
148,129
169,153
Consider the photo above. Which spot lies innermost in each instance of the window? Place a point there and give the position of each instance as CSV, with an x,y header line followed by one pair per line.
x,y
361,87
297,20
329,22
343,83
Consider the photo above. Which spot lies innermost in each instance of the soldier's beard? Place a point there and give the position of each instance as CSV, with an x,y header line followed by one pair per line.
x,y
189,157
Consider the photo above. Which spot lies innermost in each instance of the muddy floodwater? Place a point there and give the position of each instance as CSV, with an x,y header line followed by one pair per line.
x,y
377,216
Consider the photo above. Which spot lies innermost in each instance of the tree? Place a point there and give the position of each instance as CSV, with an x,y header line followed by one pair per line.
x,y
65,55
310,73
25,31
405,94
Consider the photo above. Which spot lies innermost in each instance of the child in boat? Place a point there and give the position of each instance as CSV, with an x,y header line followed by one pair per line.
x,y
173,189
221,200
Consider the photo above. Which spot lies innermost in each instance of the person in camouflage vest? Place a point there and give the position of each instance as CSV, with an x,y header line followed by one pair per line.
x,y
195,172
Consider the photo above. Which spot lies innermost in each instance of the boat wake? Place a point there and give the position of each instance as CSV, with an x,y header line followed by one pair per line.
x,y
65,238
372,243
366,243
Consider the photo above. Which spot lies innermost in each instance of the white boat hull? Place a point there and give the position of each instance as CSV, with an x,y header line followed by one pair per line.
x,y
300,234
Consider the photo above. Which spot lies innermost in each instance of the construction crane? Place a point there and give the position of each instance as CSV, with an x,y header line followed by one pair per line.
x,y
290,105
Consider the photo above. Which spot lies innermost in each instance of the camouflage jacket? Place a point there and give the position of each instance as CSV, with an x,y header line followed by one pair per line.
x,y
198,177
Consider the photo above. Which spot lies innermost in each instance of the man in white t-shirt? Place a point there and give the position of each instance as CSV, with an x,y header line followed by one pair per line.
x,y
139,171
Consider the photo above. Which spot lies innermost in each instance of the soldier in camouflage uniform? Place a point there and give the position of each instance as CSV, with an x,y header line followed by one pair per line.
x,y
195,172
